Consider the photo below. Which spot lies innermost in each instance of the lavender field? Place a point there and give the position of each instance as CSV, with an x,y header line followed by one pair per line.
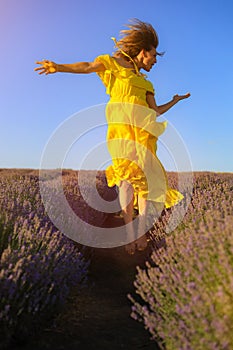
x,y
183,295
38,265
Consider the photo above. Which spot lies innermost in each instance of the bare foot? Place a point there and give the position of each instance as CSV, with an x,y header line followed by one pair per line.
x,y
142,243
131,248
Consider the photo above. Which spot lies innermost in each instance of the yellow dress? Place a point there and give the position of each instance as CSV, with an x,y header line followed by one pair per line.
x,y
132,135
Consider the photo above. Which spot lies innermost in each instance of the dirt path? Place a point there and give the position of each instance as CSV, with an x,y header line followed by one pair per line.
x,y
98,317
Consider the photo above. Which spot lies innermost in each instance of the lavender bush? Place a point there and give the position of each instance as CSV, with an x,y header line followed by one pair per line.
x,y
185,293
38,265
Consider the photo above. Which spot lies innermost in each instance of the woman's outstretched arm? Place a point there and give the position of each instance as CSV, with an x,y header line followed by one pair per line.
x,y
49,67
165,107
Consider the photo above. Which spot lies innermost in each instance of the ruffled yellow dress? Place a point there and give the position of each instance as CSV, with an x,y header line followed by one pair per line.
x,y
132,135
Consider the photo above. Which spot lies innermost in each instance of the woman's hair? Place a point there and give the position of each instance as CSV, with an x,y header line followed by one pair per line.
x,y
138,36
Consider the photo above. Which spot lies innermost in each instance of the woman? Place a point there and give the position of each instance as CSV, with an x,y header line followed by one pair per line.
x,y
132,126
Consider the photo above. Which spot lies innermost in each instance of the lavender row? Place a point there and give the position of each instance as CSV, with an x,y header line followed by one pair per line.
x,y
185,293
38,264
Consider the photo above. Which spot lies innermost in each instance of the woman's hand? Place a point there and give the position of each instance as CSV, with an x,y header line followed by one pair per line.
x,y
47,67
177,98
150,99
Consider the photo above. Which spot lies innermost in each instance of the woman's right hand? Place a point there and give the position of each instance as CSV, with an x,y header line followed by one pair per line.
x,y
47,67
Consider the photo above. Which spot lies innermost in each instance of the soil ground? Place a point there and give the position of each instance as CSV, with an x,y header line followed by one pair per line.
x,y
98,316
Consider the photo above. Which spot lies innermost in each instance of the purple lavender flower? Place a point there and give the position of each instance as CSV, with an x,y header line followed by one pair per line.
x,y
186,290
38,265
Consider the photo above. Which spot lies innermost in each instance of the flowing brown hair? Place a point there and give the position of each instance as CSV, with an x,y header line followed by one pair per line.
x,y
139,35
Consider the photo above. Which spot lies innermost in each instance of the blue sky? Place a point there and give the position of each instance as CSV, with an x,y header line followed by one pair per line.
x,y
195,35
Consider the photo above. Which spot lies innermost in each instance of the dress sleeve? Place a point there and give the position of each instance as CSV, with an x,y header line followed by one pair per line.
x,y
150,87
107,60
107,75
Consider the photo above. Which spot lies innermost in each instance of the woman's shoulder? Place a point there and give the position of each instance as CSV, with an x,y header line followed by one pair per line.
x,y
115,63
107,60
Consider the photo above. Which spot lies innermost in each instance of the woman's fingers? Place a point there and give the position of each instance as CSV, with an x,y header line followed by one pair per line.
x,y
184,96
46,67
38,68
177,97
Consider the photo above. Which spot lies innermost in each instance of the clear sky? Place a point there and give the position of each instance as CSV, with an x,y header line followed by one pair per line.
x,y
195,35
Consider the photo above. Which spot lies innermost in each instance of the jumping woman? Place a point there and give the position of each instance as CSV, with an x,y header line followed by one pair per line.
x,y
133,129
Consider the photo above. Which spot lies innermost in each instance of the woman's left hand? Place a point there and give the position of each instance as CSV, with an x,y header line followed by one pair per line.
x,y
177,98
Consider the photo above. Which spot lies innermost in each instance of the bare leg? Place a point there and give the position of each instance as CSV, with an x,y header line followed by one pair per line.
x,y
143,209
126,202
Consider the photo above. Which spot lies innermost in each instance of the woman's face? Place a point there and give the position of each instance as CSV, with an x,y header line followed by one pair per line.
x,y
149,59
